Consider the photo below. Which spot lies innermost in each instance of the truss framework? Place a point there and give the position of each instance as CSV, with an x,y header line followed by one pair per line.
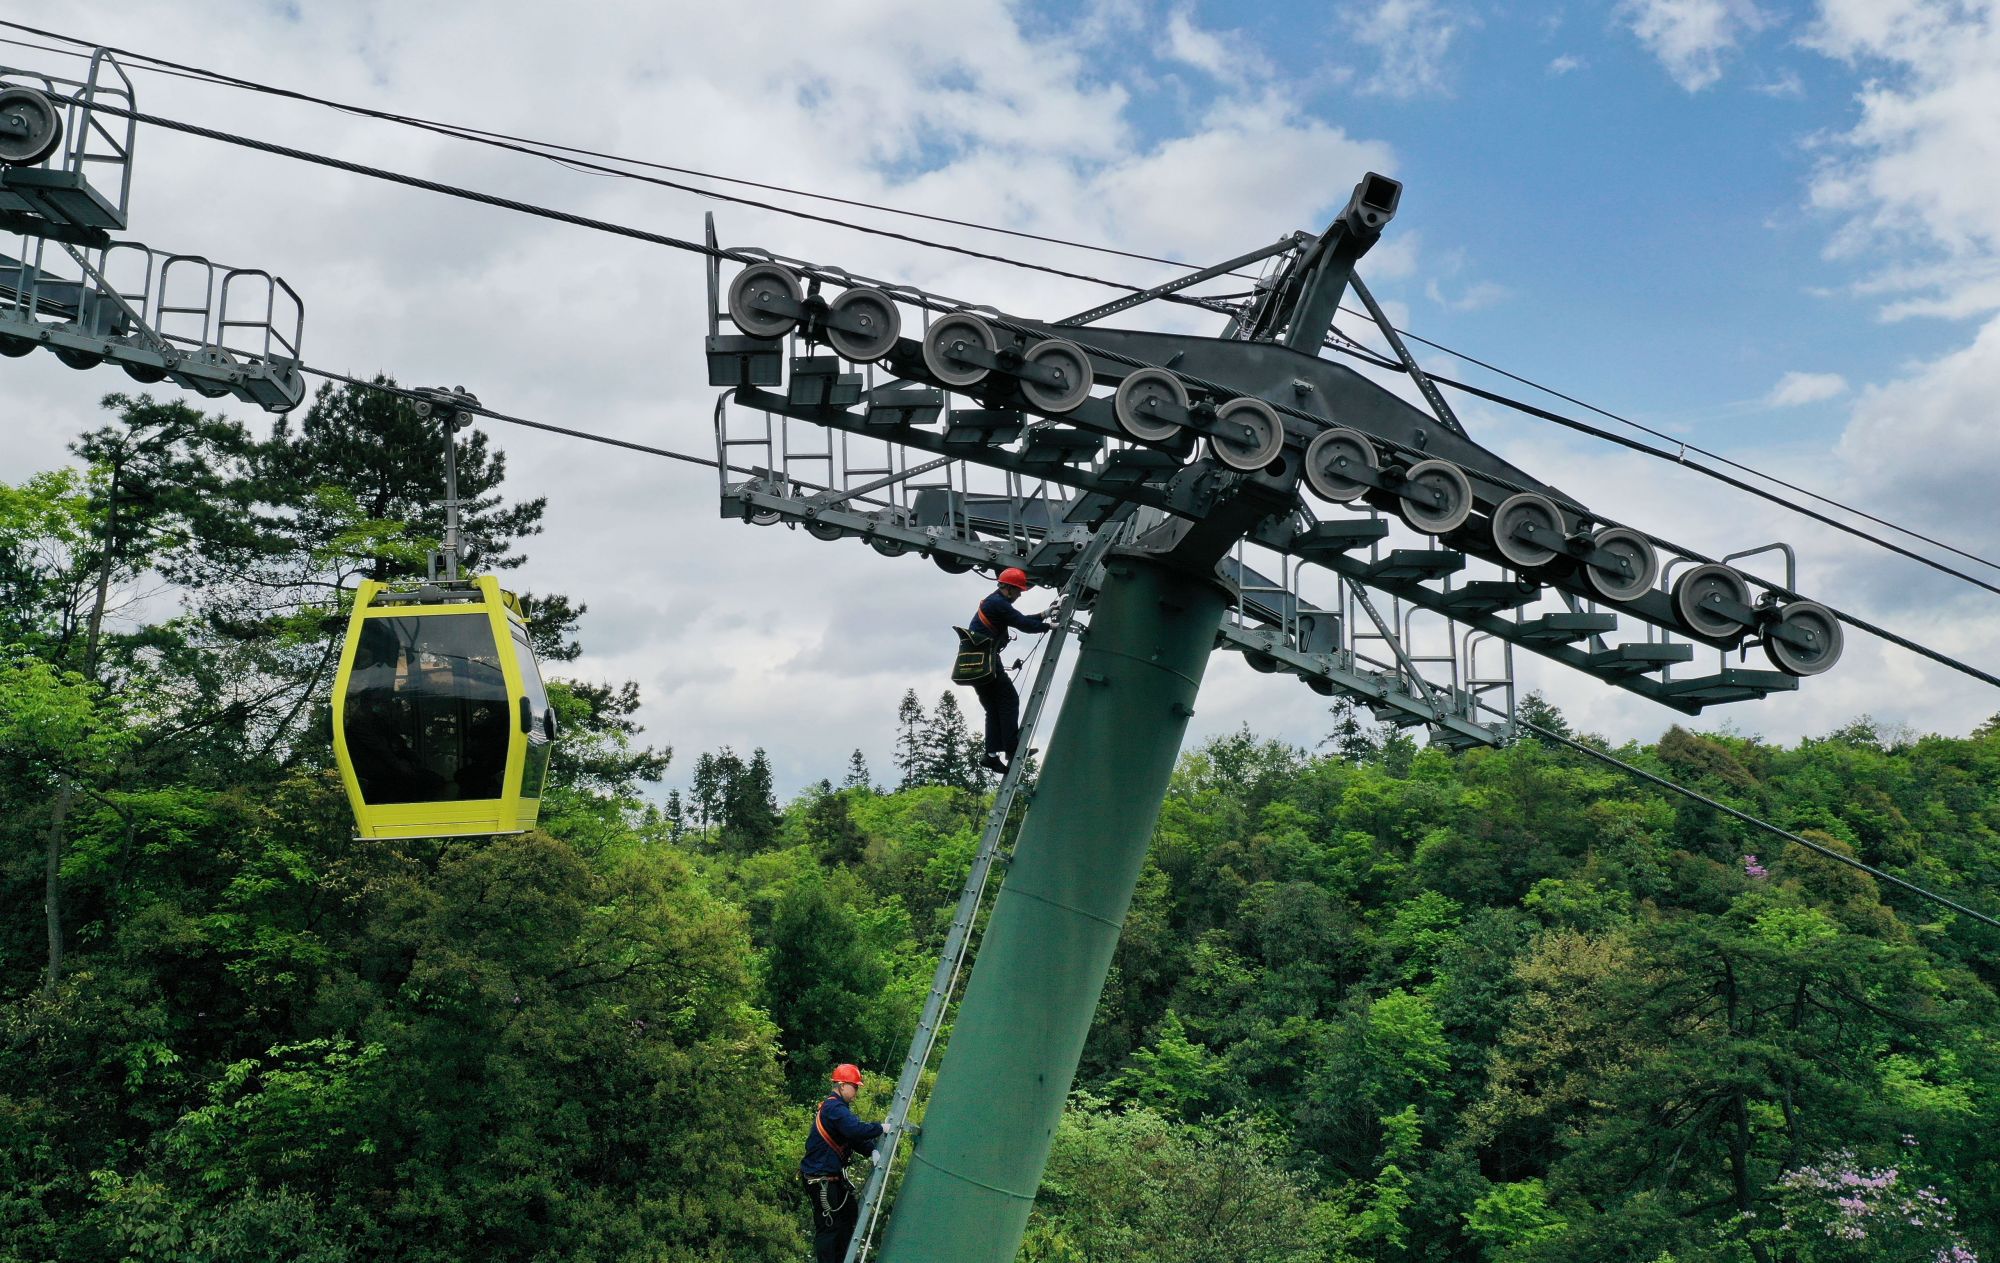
x,y
68,286
1456,577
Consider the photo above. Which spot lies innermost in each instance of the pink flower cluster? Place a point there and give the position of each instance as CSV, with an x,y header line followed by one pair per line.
x,y
1751,868
1856,1204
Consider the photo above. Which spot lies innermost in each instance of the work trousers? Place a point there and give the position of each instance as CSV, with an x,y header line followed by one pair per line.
x,y
1003,712
835,1211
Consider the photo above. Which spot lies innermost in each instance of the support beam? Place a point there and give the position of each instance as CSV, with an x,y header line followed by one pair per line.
x,y
1041,967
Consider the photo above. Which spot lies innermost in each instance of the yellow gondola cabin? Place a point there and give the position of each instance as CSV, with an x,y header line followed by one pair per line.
x,y
441,727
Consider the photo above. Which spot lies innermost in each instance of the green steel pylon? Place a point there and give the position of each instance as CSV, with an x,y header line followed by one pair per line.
x,y
1042,964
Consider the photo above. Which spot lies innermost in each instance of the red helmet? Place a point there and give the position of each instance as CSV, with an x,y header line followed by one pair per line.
x,y
1015,577
847,1072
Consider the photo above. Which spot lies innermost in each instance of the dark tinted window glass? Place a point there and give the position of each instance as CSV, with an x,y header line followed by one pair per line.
x,y
427,716
537,765
535,769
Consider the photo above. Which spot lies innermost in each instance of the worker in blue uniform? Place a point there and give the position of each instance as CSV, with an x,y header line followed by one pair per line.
x,y
997,619
836,1133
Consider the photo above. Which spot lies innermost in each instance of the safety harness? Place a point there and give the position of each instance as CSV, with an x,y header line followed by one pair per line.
x,y
819,1125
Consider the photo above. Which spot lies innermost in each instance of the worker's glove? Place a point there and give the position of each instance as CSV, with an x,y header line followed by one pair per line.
x,y
877,1157
888,1128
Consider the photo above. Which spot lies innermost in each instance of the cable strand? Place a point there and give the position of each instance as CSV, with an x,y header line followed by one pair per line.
x,y
550,150
919,298
1746,818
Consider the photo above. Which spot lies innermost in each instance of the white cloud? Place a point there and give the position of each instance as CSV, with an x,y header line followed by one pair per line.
x,y
1473,297
745,635
1916,180
1784,86
1565,64
1692,38
1915,184
1411,40
1923,441
1797,388
737,635
1225,56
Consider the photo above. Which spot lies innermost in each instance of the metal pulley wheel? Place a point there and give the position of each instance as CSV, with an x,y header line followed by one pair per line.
x,y
947,336
1698,584
1065,359
824,530
81,359
1137,396
144,373
761,280
31,126
1252,435
14,347
888,547
1444,497
950,564
1334,457
1538,512
870,307
1813,620
1630,580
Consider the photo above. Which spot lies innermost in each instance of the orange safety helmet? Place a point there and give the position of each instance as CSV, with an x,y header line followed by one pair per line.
x,y
847,1072
1015,577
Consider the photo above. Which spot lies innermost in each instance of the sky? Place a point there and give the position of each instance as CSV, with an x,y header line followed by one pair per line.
x,y
1771,230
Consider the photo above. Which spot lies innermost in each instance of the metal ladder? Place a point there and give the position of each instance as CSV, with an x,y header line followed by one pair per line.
x,y
959,938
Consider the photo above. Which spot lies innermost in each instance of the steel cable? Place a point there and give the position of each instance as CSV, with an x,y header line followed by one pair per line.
x,y
1746,818
918,298
543,149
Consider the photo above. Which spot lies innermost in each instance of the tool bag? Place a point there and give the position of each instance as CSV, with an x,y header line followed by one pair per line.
x,y
978,658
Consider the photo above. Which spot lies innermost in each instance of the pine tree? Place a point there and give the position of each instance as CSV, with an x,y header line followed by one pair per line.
x,y
950,748
1537,710
857,773
746,809
911,759
707,791
362,458
757,826
1349,739
829,828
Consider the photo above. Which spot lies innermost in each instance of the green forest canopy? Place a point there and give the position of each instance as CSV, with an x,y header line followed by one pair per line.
x,y
1380,1003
